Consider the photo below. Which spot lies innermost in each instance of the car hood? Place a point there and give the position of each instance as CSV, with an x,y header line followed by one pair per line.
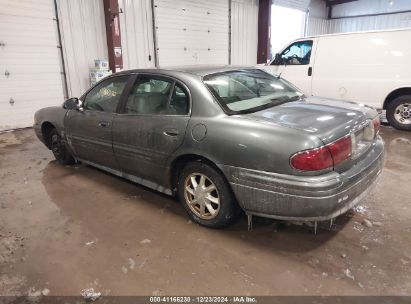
x,y
328,119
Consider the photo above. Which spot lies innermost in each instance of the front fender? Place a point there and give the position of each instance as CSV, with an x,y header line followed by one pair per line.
x,y
51,115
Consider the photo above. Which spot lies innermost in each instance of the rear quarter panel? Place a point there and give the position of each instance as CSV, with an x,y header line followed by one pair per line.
x,y
236,140
241,142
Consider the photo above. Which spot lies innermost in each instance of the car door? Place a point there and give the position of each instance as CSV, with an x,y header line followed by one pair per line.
x,y
151,126
89,130
295,64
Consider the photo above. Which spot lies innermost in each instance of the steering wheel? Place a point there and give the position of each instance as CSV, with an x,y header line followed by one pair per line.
x,y
291,59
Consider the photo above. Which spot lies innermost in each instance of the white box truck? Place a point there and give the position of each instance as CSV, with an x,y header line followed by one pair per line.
x,y
373,68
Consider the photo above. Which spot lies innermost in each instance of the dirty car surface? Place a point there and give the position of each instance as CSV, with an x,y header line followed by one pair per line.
x,y
222,139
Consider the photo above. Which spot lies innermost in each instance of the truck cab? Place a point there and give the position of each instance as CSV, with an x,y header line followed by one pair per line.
x,y
372,68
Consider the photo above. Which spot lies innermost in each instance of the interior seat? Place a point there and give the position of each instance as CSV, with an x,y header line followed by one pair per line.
x,y
146,103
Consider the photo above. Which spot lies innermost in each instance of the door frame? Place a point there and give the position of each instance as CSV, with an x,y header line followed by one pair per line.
x,y
126,91
123,100
152,182
68,133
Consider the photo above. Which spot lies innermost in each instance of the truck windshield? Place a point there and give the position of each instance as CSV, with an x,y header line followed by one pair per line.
x,y
246,91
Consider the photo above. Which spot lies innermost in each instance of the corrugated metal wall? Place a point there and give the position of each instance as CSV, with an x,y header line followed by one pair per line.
x,y
382,22
345,22
318,26
244,31
136,24
318,9
83,34
368,7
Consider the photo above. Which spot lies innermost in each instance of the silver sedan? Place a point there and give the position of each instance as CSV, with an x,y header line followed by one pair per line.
x,y
224,139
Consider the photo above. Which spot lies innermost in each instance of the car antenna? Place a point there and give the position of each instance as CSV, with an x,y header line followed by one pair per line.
x,y
279,75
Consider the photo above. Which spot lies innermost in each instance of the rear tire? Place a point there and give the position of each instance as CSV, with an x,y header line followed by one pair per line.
x,y
59,149
206,196
399,112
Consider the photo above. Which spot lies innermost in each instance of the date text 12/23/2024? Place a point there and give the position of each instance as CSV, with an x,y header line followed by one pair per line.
x,y
205,299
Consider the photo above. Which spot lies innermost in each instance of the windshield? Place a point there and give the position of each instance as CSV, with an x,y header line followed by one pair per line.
x,y
245,91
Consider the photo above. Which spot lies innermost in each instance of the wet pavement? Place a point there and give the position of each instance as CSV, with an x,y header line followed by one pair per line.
x,y
67,228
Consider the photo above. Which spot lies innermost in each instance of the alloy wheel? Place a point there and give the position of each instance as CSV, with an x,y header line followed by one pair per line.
x,y
201,195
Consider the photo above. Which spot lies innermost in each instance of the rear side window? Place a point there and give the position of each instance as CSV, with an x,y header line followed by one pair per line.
x,y
179,103
299,53
155,96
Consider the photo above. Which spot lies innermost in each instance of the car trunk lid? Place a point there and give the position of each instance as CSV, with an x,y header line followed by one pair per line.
x,y
327,119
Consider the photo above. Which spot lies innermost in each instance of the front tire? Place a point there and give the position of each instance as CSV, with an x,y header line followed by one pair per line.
x,y
206,196
59,149
399,112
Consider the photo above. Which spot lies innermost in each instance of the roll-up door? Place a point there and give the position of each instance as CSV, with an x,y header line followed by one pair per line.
x,y
30,73
191,32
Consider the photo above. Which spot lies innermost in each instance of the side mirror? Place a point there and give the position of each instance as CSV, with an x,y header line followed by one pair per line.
x,y
72,104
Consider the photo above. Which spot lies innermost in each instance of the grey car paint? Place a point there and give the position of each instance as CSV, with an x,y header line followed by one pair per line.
x,y
251,150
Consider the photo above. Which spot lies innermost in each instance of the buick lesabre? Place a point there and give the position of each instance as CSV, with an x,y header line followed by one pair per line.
x,y
223,139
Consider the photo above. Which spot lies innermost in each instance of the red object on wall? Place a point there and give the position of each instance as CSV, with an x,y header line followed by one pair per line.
x,y
264,26
115,56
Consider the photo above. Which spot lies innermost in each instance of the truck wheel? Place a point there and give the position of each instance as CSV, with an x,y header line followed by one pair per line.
x,y
59,149
399,112
206,196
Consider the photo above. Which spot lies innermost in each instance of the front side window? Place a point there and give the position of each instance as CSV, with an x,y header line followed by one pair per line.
x,y
298,53
106,95
152,96
246,91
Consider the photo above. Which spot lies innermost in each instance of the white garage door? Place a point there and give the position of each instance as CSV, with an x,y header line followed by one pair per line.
x,y
30,74
191,32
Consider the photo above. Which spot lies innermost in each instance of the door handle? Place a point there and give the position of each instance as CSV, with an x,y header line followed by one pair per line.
x,y
104,124
310,71
171,132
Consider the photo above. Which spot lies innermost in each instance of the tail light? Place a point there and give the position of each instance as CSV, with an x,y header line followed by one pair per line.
x,y
330,155
312,160
340,149
324,157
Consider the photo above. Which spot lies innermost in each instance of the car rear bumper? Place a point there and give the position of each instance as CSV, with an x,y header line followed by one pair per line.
x,y
306,198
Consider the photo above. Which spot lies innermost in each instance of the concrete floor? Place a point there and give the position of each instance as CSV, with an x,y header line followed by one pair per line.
x,y
64,229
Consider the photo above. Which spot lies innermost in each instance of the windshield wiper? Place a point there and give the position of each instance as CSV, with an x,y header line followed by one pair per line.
x,y
284,99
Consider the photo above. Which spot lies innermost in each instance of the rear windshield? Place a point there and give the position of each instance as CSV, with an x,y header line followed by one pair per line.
x,y
246,91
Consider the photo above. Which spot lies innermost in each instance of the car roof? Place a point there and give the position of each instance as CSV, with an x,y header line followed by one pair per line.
x,y
198,70
355,33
